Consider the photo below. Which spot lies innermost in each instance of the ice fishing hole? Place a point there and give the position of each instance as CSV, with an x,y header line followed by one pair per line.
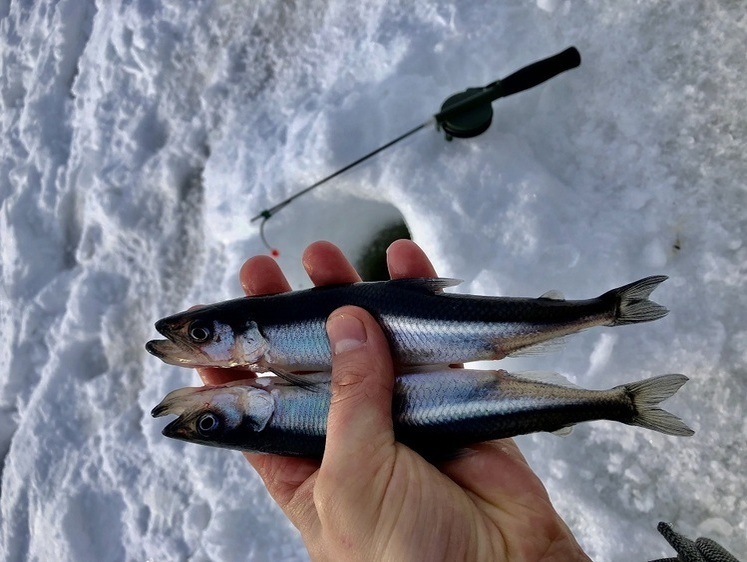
x,y
361,228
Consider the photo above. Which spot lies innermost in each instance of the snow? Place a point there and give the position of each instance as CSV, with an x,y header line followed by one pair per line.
x,y
139,138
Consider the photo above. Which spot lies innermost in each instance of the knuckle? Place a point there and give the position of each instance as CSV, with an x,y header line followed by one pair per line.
x,y
347,380
353,385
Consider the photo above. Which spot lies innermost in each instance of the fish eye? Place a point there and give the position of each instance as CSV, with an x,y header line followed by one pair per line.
x,y
200,331
207,423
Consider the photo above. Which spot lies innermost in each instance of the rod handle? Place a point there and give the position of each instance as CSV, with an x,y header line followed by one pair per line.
x,y
540,71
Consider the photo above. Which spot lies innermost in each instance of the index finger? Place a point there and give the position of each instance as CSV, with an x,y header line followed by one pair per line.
x,y
327,265
261,275
405,259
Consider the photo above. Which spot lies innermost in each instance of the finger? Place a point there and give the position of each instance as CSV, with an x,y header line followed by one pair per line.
x,y
359,424
282,474
326,265
284,477
290,482
261,275
218,375
405,259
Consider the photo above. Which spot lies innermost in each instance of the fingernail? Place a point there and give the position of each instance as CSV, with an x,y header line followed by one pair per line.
x,y
345,333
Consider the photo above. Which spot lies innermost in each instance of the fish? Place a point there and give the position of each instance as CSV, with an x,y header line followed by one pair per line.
x,y
438,414
285,332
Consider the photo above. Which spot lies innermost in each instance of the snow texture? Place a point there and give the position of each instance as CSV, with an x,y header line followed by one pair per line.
x,y
139,137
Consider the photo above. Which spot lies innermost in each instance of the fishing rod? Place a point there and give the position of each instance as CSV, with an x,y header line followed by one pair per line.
x,y
463,115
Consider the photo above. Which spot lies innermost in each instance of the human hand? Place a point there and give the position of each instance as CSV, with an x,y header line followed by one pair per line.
x,y
371,498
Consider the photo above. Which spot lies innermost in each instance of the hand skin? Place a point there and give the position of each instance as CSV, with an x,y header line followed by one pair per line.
x,y
372,498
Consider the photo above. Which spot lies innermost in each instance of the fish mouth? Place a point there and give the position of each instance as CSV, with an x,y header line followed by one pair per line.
x,y
171,353
168,350
190,398
173,429
159,411
178,429
170,326
189,403
177,401
162,326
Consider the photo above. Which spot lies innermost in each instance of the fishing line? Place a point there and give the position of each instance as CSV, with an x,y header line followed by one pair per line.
x,y
463,115
267,214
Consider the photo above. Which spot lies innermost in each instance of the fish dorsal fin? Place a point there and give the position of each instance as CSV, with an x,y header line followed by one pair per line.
x,y
430,284
548,377
553,294
295,380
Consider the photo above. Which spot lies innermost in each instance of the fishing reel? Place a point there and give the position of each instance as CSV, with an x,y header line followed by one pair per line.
x,y
470,113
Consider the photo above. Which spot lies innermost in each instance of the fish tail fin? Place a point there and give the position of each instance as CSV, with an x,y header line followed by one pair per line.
x,y
647,395
631,302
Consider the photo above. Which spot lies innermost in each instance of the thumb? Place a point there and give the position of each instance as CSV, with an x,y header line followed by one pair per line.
x,y
359,425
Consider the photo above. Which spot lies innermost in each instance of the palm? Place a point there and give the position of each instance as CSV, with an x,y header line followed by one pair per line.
x,y
482,506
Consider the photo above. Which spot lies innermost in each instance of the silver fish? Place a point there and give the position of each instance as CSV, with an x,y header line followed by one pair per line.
x,y
436,413
286,332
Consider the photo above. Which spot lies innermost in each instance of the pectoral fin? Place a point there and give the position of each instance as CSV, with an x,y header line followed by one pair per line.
x,y
294,379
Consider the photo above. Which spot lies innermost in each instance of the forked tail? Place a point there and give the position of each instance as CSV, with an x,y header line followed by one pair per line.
x,y
632,304
647,395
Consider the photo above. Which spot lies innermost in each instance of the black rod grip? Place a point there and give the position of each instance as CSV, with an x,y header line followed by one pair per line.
x,y
540,71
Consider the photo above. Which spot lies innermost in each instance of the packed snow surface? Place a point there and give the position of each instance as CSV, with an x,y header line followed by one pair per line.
x,y
139,137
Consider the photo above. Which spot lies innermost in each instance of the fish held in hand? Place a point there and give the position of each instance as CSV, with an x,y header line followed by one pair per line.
x,y
286,332
435,413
